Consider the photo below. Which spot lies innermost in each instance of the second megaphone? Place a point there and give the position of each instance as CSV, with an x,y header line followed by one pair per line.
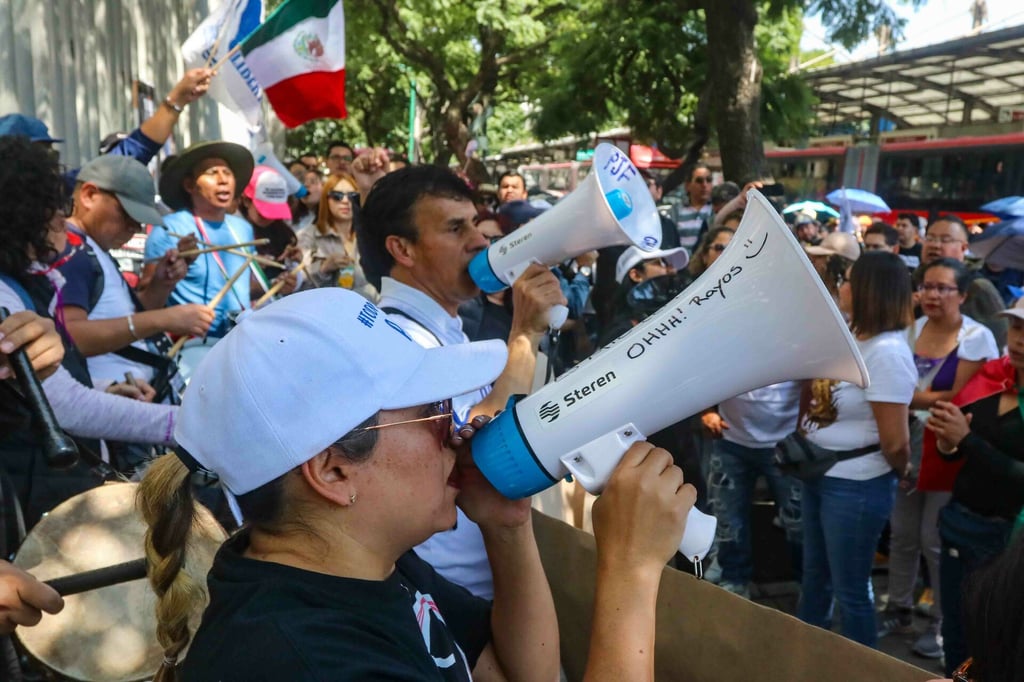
x,y
612,206
761,309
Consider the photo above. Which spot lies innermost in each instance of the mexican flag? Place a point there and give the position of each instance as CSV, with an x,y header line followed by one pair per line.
x,y
298,56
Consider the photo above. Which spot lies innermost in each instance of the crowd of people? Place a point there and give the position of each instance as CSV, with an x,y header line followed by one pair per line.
x,y
326,319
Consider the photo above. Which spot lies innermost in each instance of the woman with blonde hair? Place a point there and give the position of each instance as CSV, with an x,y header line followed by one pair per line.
x,y
337,487
845,510
331,239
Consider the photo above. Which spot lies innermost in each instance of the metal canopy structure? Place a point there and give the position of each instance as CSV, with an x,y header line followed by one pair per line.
x,y
960,82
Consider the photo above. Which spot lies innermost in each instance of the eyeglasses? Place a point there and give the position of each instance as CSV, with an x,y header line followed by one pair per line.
x,y
963,673
944,239
341,157
353,197
441,420
940,289
717,248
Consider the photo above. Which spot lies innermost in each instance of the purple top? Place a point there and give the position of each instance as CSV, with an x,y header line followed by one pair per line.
x,y
943,381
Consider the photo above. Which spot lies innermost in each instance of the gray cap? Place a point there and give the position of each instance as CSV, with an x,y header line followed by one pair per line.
x,y
129,181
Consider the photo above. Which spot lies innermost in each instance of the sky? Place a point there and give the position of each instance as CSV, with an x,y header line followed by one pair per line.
x,y
936,21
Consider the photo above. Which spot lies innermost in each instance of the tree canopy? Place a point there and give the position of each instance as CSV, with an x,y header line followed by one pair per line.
x,y
678,73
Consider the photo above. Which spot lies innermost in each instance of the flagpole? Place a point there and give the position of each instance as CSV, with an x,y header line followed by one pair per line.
x,y
231,53
220,34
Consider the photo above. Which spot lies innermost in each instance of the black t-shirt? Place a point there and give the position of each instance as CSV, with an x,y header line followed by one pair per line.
x,y
267,621
991,482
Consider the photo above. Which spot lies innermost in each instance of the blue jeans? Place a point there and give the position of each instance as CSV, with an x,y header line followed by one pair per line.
x,y
843,520
734,470
969,541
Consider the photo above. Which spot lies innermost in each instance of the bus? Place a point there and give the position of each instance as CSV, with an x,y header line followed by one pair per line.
x,y
922,176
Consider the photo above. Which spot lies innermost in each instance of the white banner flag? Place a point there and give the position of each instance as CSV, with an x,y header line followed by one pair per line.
x,y
234,86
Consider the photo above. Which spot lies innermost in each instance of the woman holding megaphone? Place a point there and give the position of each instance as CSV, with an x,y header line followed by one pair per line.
x,y
337,487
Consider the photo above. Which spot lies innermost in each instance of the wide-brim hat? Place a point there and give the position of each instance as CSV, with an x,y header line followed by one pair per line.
x,y
238,158
836,244
678,258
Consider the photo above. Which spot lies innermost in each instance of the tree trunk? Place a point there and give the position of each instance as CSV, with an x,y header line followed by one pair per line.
x,y
735,74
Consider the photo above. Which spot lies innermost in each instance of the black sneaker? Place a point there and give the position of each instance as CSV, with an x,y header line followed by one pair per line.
x,y
895,620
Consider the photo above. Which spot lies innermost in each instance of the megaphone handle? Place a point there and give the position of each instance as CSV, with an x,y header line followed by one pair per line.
x,y
592,465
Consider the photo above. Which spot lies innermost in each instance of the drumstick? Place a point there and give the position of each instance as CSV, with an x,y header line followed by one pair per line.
x,y
214,302
85,581
226,247
60,451
262,260
277,287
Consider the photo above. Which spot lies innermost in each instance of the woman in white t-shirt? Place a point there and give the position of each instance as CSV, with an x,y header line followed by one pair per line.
x,y
949,348
845,510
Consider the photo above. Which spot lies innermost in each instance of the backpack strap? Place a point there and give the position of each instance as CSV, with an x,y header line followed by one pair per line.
x,y
19,290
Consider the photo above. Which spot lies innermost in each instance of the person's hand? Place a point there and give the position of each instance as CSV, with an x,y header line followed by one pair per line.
x,y
191,87
136,390
533,295
369,166
23,599
714,423
741,200
640,518
334,262
37,336
484,505
171,268
189,319
290,279
292,253
949,424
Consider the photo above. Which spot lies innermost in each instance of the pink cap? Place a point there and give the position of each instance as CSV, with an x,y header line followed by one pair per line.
x,y
269,193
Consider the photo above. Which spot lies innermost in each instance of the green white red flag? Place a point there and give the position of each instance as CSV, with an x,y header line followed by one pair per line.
x,y
298,57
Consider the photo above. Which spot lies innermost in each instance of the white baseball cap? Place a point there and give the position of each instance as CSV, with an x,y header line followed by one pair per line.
x,y
299,374
269,193
1016,311
633,256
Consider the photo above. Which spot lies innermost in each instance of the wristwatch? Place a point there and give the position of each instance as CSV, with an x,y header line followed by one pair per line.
x,y
176,107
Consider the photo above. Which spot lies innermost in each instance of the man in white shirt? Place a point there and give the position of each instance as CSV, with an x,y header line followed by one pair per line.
x,y
417,236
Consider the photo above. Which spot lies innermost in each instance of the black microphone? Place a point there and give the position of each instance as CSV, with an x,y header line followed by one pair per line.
x,y
60,451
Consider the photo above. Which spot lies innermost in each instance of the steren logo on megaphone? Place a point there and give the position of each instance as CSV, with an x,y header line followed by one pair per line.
x,y
550,410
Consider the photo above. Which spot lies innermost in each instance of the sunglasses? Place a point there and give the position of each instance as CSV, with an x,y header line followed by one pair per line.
x,y
719,248
440,420
702,180
353,197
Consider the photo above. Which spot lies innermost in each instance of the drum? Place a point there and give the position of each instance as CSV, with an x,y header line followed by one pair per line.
x,y
109,634
191,355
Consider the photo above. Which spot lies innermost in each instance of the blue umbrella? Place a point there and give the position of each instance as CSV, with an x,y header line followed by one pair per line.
x,y
1007,207
859,200
815,207
1002,244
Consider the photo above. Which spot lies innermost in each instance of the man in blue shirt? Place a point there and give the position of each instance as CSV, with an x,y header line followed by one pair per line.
x,y
202,185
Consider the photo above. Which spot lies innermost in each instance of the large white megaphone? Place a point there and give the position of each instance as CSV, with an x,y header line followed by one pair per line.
x,y
761,309
612,206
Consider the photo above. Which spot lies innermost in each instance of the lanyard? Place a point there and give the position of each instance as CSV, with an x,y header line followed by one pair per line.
x,y
216,255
